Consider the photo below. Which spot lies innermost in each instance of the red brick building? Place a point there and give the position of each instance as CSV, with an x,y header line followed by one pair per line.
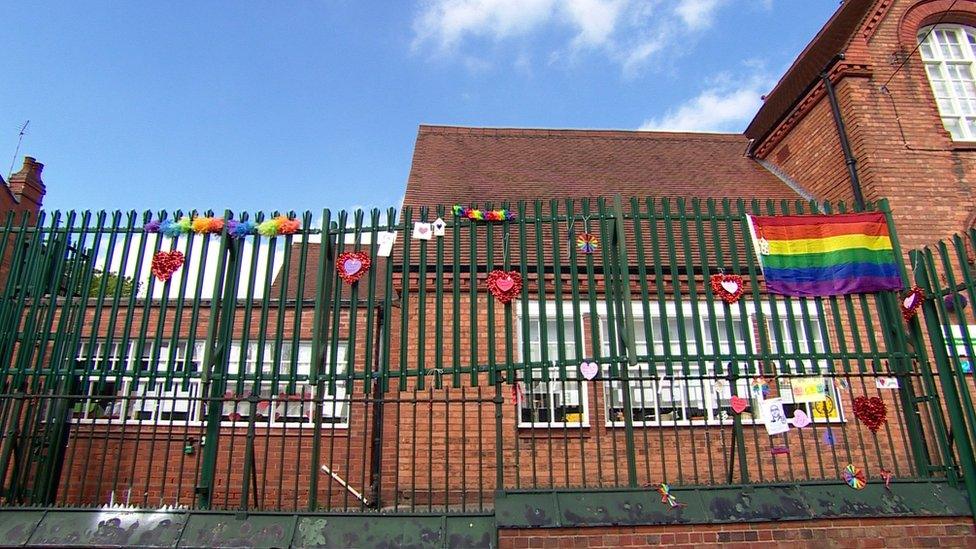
x,y
471,424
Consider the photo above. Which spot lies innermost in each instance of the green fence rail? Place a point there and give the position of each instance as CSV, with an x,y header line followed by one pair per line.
x,y
256,378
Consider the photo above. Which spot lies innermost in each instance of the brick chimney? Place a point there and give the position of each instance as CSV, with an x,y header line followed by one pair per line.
x,y
26,185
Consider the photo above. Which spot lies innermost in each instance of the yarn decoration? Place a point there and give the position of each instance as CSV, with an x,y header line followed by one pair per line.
x,y
240,229
483,215
871,411
505,286
164,264
667,497
728,287
950,302
854,477
911,302
207,225
587,243
352,266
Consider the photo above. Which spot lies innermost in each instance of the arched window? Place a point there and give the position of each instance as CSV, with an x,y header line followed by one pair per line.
x,y
949,53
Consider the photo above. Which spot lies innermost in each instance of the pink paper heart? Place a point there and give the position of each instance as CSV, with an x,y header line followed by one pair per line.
x,y
505,283
352,266
909,302
589,370
800,419
738,404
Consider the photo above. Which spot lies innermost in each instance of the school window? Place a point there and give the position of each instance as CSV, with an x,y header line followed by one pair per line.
x,y
948,55
690,394
554,403
276,405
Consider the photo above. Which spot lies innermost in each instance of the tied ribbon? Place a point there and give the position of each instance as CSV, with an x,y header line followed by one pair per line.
x,y
475,214
667,497
887,476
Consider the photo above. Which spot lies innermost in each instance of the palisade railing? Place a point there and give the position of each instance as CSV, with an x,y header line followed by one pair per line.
x,y
256,378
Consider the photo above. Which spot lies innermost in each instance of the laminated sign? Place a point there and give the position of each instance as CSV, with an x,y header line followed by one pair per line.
x,y
809,389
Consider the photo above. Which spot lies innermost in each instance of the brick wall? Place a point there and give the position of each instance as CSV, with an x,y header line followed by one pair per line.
x,y
904,153
838,533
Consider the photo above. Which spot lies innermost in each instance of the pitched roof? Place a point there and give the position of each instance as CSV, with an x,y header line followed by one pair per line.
x,y
833,38
474,165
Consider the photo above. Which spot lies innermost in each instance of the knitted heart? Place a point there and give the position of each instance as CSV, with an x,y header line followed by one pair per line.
x,y
871,411
727,287
504,285
164,264
911,302
352,266
738,404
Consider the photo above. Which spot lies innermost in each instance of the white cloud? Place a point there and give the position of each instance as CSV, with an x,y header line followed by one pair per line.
x,y
726,105
697,14
628,32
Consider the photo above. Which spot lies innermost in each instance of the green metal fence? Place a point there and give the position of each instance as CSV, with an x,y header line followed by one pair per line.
x,y
256,378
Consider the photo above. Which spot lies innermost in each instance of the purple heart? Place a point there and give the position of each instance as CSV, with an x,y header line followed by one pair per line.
x,y
589,370
352,266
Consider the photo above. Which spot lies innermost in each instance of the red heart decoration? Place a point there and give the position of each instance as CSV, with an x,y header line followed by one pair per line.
x,y
911,302
164,264
352,266
871,411
728,287
504,285
738,404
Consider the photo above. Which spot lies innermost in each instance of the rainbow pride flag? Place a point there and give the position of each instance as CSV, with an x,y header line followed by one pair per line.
x,y
822,255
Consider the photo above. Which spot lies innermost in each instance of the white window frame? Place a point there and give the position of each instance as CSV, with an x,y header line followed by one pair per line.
x,y
338,406
652,387
134,397
952,76
534,315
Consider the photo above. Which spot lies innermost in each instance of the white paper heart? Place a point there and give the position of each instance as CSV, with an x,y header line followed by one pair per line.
x,y
730,286
800,419
352,266
589,370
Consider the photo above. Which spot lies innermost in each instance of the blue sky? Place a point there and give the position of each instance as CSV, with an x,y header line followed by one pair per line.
x,y
305,105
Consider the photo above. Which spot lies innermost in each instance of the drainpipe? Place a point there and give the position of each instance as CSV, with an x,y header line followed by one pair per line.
x,y
845,145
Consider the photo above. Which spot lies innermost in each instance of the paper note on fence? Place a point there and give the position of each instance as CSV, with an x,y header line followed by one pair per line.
x,y
809,389
774,416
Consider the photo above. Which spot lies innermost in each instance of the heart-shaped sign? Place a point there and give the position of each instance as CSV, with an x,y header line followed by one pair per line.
x,y
871,411
738,404
590,370
800,419
911,302
504,285
728,287
164,264
352,266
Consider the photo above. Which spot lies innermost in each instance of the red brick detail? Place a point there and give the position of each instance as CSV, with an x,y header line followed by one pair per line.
x,y
837,533
871,25
928,12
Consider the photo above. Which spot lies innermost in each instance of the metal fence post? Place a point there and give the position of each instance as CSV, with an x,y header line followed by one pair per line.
x,y
620,285
949,390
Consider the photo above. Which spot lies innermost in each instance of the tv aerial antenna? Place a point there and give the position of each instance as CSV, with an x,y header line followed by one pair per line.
x,y
20,139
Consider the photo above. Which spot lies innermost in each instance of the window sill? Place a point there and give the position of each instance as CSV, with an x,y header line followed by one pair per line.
x,y
963,146
526,427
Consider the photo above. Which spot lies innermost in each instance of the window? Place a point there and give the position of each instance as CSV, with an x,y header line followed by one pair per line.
x,y
690,394
553,403
110,395
275,405
948,54
808,340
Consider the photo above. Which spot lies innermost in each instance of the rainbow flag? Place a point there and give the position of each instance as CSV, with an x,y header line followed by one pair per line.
x,y
821,255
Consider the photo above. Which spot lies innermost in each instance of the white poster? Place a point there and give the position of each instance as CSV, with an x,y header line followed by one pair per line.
x,y
422,231
774,416
385,240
